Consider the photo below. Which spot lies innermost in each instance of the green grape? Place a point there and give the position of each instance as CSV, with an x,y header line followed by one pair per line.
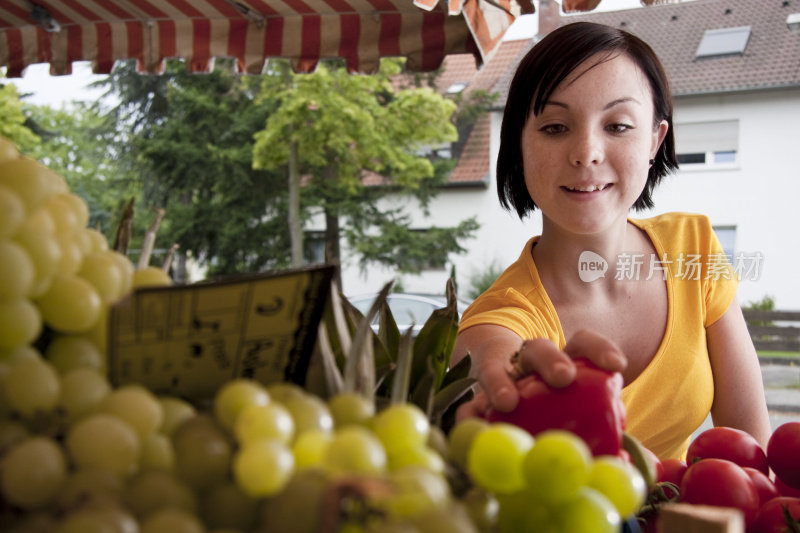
x,y
126,267
16,270
10,355
176,411
282,391
150,276
400,426
11,433
309,448
262,468
102,270
135,405
421,456
29,179
226,506
79,207
88,485
8,150
437,441
588,511
12,211
519,511
71,305
32,386
351,408
104,441
20,323
298,508
99,517
557,465
71,255
172,520
415,491
83,241
67,352
98,241
482,507
157,452
152,490
203,452
234,396
620,482
82,391
495,458
34,522
354,450
32,471
308,412
459,440
270,421
452,518
45,254
63,213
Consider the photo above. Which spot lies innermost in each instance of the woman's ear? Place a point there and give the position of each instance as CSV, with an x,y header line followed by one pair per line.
x,y
659,134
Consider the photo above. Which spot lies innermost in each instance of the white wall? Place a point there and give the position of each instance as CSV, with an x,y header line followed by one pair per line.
x,y
761,197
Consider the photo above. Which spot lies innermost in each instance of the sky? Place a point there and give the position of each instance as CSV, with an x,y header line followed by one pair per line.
x,y
59,91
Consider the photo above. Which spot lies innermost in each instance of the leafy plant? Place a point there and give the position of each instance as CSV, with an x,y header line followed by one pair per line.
x,y
392,366
481,281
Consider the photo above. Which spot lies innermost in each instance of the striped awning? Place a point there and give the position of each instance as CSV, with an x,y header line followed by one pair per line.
x,y
60,32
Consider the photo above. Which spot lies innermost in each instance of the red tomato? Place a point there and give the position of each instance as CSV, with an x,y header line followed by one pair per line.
x,y
731,444
771,517
785,489
722,483
672,470
783,453
764,486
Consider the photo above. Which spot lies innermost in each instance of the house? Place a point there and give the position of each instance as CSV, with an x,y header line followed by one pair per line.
x,y
734,67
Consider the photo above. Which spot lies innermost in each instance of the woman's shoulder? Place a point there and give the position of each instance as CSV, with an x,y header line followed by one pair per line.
x,y
673,220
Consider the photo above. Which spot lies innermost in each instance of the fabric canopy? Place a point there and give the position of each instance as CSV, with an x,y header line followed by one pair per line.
x,y
60,32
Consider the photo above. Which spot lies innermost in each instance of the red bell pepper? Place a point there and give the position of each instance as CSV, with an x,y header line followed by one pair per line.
x,y
590,407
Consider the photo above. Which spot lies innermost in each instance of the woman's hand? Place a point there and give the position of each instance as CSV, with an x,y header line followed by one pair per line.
x,y
497,373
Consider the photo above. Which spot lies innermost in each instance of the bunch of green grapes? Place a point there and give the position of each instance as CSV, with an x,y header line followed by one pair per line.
x,y
550,483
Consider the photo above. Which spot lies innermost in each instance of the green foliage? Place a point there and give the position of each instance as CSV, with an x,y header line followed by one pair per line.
x,y
13,121
347,128
767,303
191,137
482,280
75,145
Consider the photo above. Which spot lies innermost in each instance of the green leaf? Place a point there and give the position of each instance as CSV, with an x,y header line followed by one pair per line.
x,y
435,341
449,395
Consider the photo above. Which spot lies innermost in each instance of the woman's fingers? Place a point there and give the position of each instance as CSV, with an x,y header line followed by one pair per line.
x,y
542,357
496,380
597,349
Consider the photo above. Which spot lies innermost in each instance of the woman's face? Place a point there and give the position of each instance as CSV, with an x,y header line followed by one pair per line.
x,y
586,154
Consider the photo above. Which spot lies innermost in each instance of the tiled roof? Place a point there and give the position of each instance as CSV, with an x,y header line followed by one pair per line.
x,y
770,60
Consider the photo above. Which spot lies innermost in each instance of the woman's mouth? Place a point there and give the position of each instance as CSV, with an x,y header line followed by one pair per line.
x,y
586,188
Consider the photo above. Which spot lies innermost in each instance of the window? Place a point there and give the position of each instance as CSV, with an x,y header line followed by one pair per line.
x,y
707,144
727,237
314,248
722,42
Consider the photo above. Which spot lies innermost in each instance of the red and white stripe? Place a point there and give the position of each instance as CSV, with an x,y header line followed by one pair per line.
x,y
360,31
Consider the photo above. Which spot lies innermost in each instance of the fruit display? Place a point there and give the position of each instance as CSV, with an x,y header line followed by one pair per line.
x,y
368,444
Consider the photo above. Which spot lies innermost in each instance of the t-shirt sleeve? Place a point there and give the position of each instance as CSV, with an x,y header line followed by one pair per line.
x,y
721,281
509,308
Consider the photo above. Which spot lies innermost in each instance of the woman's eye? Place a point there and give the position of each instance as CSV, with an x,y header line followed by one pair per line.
x,y
620,128
553,129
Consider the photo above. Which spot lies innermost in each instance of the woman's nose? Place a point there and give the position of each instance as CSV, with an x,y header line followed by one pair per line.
x,y
587,150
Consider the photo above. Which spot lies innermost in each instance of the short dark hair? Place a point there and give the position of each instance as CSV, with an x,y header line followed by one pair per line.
x,y
540,72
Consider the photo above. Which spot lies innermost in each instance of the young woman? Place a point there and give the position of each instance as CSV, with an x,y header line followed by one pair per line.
x,y
586,136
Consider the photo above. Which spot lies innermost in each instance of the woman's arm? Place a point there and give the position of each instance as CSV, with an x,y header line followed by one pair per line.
x,y
491,347
739,400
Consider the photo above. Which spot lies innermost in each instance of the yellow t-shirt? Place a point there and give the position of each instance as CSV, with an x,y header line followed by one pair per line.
x,y
673,395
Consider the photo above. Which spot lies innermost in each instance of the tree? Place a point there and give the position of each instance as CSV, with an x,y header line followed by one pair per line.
x,y
75,144
13,121
190,137
336,129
